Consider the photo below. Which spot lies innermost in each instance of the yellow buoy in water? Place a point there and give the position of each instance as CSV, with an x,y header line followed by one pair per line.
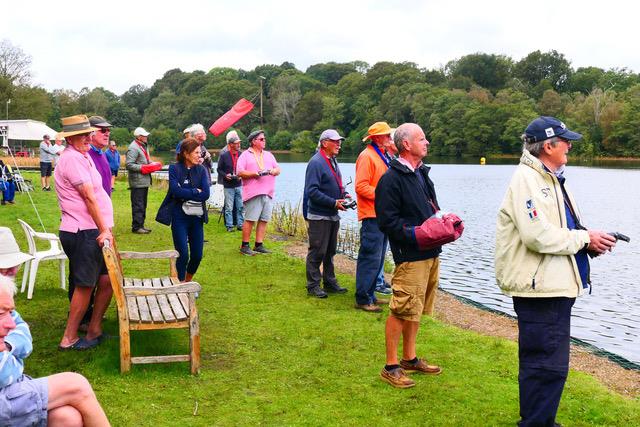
x,y
483,160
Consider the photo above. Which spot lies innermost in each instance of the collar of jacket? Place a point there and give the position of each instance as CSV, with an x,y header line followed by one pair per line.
x,y
402,168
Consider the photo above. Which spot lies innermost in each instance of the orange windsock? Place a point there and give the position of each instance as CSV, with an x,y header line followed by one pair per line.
x,y
238,111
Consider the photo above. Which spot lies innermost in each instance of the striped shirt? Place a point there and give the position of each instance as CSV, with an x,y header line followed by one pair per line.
x,y
12,362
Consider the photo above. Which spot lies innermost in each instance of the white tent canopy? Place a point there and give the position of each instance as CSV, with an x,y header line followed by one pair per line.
x,y
28,130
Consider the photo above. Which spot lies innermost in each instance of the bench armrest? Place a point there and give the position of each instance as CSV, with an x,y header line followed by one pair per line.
x,y
149,255
182,288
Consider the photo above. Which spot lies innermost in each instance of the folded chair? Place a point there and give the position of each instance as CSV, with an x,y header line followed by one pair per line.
x,y
54,252
155,303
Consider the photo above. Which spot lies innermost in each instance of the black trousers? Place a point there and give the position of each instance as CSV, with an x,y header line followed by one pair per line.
x,y
138,207
323,240
544,326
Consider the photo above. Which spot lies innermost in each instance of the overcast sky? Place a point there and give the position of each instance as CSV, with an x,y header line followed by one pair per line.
x,y
117,44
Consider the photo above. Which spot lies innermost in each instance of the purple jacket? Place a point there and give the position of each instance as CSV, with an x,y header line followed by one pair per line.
x,y
102,164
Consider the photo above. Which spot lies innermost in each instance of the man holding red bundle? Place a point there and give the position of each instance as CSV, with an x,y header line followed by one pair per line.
x,y
407,212
140,167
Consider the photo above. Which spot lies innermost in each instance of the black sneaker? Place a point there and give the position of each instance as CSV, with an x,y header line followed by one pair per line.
x,y
246,250
316,292
261,249
141,231
334,289
230,229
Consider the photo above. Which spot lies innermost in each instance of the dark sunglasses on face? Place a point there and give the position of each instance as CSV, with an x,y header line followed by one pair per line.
x,y
105,130
260,139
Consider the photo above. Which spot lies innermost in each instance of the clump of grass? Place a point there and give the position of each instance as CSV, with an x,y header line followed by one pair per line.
x,y
288,220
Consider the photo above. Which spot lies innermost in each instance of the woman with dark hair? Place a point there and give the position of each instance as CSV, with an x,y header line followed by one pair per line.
x,y
189,190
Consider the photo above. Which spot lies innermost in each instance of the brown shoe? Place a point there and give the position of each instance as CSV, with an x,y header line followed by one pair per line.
x,y
371,308
420,366
382,301
397,378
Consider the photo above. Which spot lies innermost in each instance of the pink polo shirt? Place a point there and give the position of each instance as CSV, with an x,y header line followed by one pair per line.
x,y
74,168
252,187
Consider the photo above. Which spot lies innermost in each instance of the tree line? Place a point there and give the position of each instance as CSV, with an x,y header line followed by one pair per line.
x,y
475,105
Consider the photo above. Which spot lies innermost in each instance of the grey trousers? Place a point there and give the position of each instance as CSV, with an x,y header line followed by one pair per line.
x,y
323,240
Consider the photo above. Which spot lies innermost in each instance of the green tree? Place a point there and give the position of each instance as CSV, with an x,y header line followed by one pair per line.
x,y
14,64
303,142
537,66
550,104
489,71
330,73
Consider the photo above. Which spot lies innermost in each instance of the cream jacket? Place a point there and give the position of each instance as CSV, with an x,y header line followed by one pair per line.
x,y
534,247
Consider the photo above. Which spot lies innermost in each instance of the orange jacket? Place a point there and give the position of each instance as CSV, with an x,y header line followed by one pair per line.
x,y
369,169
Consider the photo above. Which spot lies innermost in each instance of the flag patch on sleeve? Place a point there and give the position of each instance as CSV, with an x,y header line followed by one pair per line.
x,y
531,210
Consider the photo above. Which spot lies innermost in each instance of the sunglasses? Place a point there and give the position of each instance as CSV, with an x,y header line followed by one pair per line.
x,y
105,130
260,139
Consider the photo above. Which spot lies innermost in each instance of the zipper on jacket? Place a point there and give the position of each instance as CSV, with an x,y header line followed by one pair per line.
x,y
535,273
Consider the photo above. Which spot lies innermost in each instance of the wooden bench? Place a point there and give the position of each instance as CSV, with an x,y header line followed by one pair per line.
x,y
157,303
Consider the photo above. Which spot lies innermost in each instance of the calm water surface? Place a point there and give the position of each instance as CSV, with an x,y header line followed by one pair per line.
x,y
609,199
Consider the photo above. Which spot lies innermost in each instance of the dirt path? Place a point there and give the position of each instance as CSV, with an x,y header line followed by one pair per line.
x,y
455,312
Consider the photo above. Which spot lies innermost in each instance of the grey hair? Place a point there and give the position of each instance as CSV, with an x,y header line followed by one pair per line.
x,y
402,133
196,128
535,148
7,285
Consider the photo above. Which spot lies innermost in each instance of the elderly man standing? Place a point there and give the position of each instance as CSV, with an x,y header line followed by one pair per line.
x,y
197,131
64,399
405,200
48,154
87,219
100,141
324,196
228,177
139,167
371,164
258,170
542,262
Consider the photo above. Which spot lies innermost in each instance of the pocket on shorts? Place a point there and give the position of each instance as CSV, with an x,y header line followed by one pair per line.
x,y
19,406
403,304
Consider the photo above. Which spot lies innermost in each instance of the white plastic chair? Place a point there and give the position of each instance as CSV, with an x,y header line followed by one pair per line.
x,y
55,252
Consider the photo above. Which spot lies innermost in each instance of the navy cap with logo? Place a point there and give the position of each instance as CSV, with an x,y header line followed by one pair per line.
x,y
545,127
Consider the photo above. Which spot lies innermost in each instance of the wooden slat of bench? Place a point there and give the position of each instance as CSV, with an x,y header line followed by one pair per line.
x,y
165,307
143,307
184,298
176,305
132,305
152,300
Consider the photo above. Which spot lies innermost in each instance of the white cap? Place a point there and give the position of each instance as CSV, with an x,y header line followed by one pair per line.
x,y
232,137
140,132
10,255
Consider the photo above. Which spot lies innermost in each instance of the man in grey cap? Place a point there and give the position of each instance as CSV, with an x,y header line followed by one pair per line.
x,y
228,177
100,141
324,195
139,166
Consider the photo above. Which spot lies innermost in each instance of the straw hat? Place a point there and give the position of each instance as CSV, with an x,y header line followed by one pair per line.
x,y
10,255
75,125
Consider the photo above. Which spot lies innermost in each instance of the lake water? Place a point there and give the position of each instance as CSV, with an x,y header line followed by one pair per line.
x,y
609,198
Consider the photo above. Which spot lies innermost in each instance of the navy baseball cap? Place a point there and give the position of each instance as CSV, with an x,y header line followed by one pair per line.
x,y
545,127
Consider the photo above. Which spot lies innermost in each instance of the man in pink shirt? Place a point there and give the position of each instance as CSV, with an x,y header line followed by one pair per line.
x,y
258,170
87,218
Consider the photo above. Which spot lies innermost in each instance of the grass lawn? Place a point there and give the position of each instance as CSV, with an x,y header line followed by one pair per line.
x,y
273,356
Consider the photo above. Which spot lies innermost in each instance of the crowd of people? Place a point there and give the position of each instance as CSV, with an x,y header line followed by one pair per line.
x,y
542,249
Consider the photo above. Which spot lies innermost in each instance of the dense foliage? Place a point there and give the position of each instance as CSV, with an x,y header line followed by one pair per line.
x,y
478,104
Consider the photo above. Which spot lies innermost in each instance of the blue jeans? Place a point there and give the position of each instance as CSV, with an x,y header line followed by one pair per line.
x,y
544,326
370,259
187,231
233,205
380,278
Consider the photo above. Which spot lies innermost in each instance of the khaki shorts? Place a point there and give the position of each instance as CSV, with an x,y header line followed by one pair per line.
x,y
414,287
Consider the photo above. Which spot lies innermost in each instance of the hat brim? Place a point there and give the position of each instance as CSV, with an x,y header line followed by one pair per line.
x,y
78,132
14,259
570,135
143,134
374,134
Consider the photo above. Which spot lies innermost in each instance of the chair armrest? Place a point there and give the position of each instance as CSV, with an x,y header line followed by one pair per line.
x,y
182,288
149,255
46,236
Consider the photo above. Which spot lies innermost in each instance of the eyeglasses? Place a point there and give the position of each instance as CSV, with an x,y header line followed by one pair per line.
x,y
105,130
260,139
